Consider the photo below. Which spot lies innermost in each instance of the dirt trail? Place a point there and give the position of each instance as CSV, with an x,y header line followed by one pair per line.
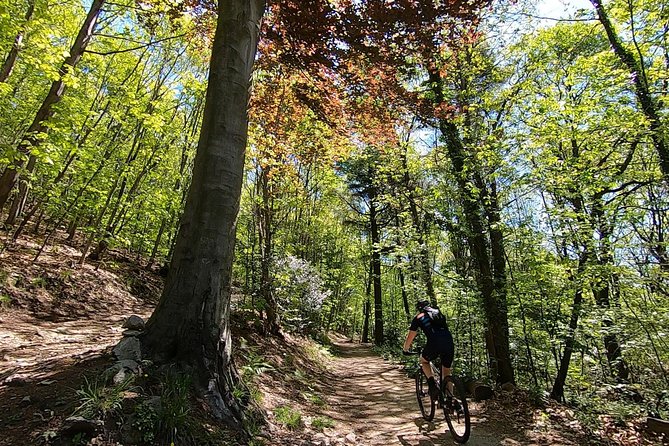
x,y
31,349
377,401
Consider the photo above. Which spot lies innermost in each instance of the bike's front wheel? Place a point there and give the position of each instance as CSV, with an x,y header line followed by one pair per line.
x,y
425,402
455,408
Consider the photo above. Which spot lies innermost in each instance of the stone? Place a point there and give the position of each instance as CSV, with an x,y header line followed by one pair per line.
x,y
131,333
350,438
79,425
128,348
320,439
121,370
134,322
16,381
508,387
26,401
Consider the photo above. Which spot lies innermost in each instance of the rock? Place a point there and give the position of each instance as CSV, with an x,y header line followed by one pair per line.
x,y
131,333
79,425
350,438
134,322
26,401
16,381
508,387
120,370
129,364
46,382
128,348
320,439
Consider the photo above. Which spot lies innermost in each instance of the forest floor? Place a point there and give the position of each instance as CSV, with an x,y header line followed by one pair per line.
x,y
58,321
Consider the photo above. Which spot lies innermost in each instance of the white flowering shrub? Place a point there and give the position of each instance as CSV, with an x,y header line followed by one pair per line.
x,y
299,291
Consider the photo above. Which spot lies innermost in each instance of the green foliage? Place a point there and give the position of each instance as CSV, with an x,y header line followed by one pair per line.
x,y
146,421
98,400
174,403
289,417
166,417
5,300
320,423
314,399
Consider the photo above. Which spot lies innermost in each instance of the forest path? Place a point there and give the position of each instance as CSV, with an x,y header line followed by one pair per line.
x,y
376,401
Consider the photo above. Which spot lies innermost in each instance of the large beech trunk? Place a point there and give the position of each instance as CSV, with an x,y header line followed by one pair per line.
x,y
190,325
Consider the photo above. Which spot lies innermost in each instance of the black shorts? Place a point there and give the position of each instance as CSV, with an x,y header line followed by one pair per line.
x,y
440,345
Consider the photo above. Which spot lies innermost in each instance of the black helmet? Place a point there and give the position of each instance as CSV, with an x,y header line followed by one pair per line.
x,y
422,304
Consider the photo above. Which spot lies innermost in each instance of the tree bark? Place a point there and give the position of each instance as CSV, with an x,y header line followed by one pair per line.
x,y
421,232
557,392
485,244
190,325
649,105
10,60
367,307
44,113
264,221
376,268
490,274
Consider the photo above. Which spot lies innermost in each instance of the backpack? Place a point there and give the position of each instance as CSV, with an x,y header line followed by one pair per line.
x,y
436,317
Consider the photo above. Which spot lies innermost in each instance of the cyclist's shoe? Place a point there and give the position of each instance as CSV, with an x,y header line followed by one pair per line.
x,y
434,390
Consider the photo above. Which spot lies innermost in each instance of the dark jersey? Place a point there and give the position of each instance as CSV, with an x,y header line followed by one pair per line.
x,y
424,322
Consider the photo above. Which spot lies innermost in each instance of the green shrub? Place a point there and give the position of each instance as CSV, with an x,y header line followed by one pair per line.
x,y
146,421
98,400
289,417
314,399
5,300
175,405
320,423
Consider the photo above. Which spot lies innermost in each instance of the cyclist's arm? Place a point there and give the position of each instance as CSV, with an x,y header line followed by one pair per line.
x,y
409,340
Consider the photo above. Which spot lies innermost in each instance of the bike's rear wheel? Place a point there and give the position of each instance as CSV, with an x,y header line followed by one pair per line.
x,y
425,402
456,411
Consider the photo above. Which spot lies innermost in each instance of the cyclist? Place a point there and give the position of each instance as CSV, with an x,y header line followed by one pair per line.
x,y
439,342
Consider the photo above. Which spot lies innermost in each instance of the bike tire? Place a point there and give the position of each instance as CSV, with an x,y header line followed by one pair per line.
x,y
425,401
459,422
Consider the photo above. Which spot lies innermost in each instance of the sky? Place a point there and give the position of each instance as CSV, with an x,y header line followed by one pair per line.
x,y
561,8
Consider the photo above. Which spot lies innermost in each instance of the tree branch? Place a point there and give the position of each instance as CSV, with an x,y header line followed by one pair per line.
x,y
127,50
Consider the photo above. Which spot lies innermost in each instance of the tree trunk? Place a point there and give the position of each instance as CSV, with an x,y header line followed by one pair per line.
x,y
649,105
365,326
405,297
486,245
421,231
55,94
266,244
491,282
190,325
557,393
367,308
10,60
376,269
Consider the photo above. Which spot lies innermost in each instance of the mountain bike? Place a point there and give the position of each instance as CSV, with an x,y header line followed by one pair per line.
x,y
452,400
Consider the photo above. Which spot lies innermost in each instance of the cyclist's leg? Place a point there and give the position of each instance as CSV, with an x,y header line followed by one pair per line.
x,y
447,354
429,353
425,365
